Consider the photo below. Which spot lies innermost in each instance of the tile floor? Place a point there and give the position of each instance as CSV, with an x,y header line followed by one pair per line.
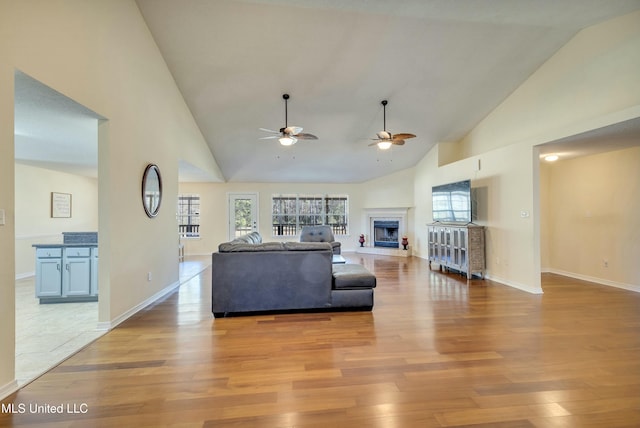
x,y
48,334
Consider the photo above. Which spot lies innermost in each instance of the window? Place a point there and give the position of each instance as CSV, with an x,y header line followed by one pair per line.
x,y
291,212
189,216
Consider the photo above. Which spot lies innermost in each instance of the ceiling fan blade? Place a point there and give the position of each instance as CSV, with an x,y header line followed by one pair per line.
x,y
397,142
269,130
304,136
270,137
403,136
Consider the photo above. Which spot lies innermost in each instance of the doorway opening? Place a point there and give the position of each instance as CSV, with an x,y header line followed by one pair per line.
x,y
56,153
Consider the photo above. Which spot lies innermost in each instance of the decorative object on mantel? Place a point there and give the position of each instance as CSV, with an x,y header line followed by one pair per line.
x,y
151,190
405,242
60,205
386,139
361,240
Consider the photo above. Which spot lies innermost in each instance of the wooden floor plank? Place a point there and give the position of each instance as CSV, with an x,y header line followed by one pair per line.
x,y
437,350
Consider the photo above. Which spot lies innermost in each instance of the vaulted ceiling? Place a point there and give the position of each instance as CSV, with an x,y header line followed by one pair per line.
x,y
442,65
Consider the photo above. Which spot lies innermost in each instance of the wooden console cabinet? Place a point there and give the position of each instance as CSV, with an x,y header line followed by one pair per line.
x,y
457,247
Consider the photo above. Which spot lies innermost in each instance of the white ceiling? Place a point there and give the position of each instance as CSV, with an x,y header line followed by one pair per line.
x,y
52,130
443,65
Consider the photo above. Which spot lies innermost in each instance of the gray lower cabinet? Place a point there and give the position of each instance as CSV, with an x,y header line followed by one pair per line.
x,y
76,278
66,274
48,272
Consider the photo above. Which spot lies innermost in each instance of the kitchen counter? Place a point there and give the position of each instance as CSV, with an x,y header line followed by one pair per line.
x,y
86,244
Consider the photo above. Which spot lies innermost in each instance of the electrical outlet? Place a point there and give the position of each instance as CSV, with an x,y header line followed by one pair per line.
x,y
605,263
2,220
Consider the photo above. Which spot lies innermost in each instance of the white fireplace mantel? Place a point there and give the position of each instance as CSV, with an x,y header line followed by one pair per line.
x,y
370,215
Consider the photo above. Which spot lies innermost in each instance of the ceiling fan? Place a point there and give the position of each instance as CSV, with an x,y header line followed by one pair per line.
x,y
289,135
386,139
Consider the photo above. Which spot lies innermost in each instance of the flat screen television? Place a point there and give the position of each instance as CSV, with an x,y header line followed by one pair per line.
x,y
451,203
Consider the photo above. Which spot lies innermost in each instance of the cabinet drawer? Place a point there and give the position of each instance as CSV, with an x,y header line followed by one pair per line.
x,y
43,253
78,252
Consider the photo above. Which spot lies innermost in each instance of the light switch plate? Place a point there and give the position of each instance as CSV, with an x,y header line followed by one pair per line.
x,y
1,217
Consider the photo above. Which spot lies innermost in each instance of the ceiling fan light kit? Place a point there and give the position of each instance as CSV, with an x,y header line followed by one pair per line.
x,y
288,135
287,141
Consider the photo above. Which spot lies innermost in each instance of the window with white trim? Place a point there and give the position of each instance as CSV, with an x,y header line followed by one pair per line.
x,y
189,216
291,212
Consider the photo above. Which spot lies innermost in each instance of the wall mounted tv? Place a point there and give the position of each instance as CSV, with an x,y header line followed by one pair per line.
x,y
452,202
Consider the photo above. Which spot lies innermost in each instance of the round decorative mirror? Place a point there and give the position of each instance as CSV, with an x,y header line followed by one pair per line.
x,y
151,190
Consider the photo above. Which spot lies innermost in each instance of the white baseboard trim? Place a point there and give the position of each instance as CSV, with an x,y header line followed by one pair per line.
x,y
8,389
487,275
109,325
397,252
601,281
519,286
25,275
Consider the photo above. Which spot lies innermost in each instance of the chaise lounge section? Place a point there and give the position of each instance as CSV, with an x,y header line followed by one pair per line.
x,y
250,276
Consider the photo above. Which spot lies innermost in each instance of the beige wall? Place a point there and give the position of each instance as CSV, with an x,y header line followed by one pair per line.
x,y
504,185
393,191
34,225
7,234
102,55
592,206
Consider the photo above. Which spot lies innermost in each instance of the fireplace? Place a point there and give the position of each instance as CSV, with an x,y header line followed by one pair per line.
x,y
385,233
384,229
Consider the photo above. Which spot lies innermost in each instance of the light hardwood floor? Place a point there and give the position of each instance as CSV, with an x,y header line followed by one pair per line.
x,y
50,333
435,351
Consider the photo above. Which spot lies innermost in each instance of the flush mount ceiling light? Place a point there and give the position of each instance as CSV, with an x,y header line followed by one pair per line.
x,y
551,158
288,135
386,139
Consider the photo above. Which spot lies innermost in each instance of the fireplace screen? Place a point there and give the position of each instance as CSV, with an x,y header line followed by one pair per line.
x,y
386,233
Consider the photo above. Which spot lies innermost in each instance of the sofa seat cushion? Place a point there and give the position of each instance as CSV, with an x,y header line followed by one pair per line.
x,y
352,276
307,246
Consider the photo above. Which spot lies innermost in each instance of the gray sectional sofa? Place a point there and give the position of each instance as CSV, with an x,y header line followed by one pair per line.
x,y
249,276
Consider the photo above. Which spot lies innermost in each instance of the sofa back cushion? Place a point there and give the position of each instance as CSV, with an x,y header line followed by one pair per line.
x,y
242,247
249,238
316,234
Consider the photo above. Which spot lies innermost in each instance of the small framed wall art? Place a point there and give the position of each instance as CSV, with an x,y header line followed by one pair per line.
x,y
60,205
